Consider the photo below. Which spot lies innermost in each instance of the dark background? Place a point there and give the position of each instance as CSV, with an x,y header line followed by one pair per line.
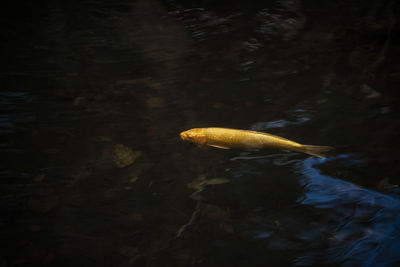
x,y
94,95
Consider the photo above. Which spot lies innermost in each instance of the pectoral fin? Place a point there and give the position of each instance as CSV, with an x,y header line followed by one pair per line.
x,y
217,146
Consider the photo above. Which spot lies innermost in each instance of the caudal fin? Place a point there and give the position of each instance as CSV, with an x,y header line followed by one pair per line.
x,y
316,151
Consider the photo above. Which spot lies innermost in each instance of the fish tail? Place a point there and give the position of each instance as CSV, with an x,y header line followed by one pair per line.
x,y
316,151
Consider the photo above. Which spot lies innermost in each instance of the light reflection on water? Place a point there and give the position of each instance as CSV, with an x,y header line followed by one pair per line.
x,y
364,227
298,116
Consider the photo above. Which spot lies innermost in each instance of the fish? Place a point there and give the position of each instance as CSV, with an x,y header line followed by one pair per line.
x,y
227,138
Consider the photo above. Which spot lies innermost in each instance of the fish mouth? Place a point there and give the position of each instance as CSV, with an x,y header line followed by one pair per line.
x,y
183,136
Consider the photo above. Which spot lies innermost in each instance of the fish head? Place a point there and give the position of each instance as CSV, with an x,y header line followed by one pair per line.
x,y
194,135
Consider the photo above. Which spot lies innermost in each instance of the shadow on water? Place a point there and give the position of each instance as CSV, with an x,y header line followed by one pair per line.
x,y
363,228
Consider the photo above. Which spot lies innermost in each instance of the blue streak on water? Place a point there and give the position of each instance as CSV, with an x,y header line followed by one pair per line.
x,y
11,117
299,116
263,234
365,224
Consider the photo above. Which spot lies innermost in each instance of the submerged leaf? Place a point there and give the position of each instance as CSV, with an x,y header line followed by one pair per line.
x,y
102,139
197,184
40,177
217,181
133,179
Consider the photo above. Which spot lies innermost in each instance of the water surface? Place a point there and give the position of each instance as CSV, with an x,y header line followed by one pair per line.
x,y
94,96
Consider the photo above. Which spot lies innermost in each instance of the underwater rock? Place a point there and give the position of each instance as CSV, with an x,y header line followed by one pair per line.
x,y
79,176
136,217
79,100
128,251
44,200
39,177
124,156
215,213
34,228
227,227
155,102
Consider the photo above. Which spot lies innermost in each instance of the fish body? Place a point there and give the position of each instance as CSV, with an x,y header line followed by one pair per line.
x,y
243,139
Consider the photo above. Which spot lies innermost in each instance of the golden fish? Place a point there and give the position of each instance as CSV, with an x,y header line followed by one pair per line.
x,y
226,138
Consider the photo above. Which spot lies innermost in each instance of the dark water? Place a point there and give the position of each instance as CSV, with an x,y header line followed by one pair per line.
x,y
94,96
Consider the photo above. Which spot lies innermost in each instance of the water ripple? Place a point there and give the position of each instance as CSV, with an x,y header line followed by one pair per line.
x,y
365,223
